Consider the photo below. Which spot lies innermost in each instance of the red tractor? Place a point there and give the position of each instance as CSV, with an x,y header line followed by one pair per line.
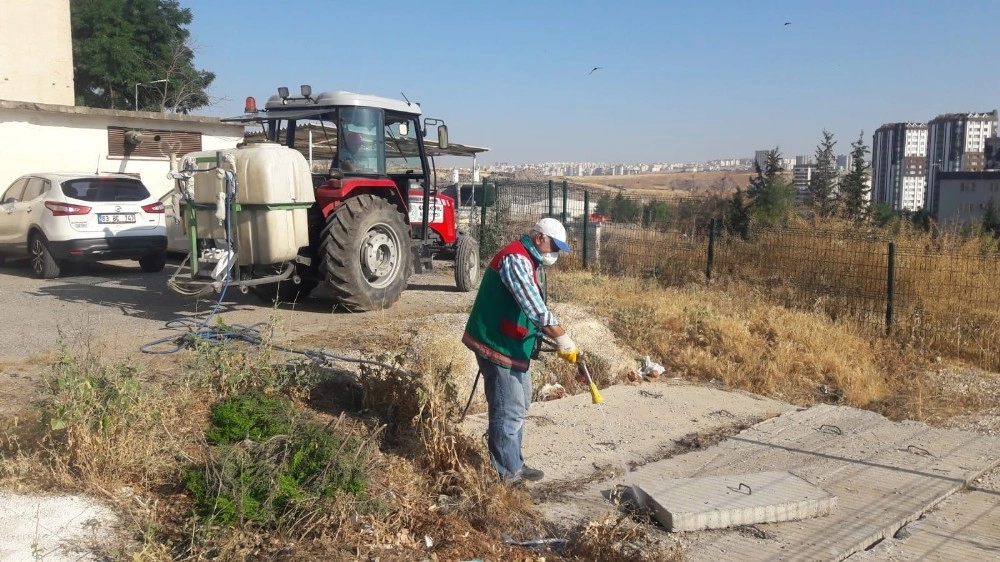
x,y
260,218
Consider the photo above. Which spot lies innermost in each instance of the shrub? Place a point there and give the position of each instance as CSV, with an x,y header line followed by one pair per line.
x,y
271,468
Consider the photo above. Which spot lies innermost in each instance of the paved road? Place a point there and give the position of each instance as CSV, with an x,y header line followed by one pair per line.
x,y
119,306
99,302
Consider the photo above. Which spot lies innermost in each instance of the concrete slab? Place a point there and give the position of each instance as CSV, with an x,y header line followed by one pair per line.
x,y
965,526
884,475
717,502
570,438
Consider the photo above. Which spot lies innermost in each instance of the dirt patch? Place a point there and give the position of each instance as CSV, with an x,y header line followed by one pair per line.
x,y
676,183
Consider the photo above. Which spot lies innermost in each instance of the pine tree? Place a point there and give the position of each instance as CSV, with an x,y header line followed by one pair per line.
x,y
854,189
772,194
823,185
738,215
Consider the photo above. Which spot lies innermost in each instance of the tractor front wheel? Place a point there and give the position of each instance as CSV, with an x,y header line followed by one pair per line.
x,y
467,266
365,253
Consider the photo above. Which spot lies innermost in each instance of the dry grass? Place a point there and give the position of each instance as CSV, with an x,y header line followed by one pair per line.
x,y
124,434
743,339
945,299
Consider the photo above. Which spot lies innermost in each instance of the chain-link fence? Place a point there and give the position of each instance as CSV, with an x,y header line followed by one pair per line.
x,y
937,300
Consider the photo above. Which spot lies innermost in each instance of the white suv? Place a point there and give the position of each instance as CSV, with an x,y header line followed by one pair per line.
x,y
55,219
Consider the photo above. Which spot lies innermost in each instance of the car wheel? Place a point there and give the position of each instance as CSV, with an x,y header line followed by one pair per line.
x,y
3,260
43,265
153,263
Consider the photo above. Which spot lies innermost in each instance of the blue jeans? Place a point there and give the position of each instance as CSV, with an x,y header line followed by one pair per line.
x,y
508,395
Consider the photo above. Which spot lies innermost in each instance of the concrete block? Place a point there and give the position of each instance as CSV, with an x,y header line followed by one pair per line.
x,y
717,502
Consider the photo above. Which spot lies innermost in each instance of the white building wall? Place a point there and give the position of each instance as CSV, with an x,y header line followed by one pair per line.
x,y
914,193
916,143
36,51
70,139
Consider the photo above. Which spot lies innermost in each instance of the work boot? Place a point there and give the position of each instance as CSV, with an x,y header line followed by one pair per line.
x,y
532,474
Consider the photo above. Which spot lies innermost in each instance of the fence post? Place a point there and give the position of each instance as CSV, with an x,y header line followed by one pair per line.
x,y
890,288
586,226
711,249
482,208
565,195
551,198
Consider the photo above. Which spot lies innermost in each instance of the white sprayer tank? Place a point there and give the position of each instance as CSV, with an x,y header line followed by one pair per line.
x,y
274,194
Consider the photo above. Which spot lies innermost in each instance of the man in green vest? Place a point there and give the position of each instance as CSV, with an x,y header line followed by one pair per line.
x,y
506,322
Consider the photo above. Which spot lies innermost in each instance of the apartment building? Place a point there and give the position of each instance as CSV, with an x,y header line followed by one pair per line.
x,y
956,142
899,166
965,195
760,158
993,153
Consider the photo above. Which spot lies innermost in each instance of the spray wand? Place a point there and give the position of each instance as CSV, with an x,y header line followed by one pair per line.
x,y
583,377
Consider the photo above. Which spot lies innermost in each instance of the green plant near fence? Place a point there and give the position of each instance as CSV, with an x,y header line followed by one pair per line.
x,y
938,295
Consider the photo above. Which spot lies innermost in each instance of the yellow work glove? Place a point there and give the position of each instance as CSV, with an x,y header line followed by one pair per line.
x,y
566,349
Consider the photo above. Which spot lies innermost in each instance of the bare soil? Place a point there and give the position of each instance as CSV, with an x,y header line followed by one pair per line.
x,y
674,183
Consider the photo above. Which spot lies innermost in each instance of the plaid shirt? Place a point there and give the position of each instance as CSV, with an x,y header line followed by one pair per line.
x,y
515,272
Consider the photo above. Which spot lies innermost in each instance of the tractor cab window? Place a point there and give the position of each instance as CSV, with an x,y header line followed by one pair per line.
x,y
402,148
360,147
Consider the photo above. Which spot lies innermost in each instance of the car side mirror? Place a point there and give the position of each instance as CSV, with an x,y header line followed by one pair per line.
x,y
442,137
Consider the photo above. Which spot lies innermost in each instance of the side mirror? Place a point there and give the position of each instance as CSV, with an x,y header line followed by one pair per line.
x,y
442,137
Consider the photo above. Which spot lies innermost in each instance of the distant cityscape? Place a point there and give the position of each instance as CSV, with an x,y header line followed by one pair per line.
x,y
932,166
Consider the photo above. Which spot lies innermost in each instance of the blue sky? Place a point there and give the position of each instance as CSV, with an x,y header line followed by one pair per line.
x,y
681,81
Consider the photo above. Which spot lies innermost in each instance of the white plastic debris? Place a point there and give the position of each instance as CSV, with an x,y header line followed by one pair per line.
x,y
650,369
551,392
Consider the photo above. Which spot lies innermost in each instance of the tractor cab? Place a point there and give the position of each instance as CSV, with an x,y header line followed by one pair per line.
x,y
359,135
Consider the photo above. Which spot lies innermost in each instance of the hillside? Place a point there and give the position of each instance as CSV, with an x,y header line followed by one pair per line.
x,y
679,183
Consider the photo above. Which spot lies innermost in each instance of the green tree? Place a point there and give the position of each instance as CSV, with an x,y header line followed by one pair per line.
x,y
738,215
625,209
823,184
656,213
772,195
991,218
922,219
605,205
854,189
118,44
883,215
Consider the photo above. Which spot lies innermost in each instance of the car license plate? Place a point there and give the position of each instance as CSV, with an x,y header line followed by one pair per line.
x,y
115,218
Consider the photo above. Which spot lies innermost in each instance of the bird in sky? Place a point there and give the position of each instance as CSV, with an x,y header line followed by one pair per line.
x,y
788,23
595,68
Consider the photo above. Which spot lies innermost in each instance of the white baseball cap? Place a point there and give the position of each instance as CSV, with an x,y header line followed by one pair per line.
x,y
554,230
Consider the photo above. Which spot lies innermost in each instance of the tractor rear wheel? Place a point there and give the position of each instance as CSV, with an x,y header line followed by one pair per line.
x,y
467,266
365,253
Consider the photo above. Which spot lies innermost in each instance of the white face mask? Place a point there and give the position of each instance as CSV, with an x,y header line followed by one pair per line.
x,y
549,258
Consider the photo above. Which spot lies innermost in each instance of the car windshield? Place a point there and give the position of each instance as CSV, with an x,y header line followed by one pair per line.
x,y
100,190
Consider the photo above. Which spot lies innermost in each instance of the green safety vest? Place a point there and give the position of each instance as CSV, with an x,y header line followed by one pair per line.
x,y
498,330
